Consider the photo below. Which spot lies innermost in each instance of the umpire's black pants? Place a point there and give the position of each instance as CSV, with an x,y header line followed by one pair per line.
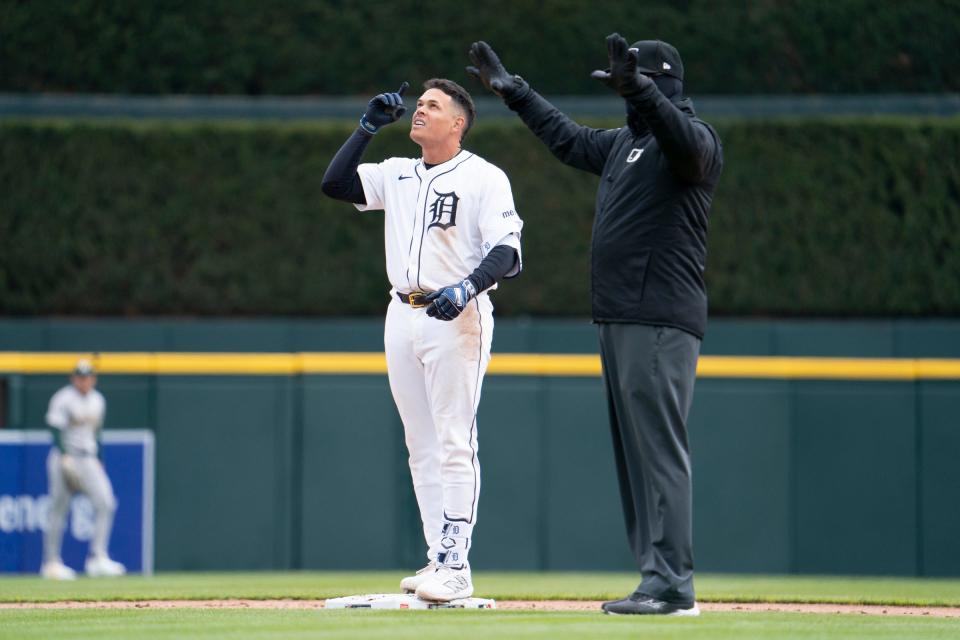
x,y
649,373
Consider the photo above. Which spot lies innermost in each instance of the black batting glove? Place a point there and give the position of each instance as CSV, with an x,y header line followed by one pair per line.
x,y
622,76
384,109
488,69
449,302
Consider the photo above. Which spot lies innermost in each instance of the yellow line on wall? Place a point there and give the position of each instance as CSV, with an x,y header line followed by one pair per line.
x,y
545,364
516,364
828,368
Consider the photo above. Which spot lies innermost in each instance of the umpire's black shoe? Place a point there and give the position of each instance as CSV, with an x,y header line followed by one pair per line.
x,y
640,604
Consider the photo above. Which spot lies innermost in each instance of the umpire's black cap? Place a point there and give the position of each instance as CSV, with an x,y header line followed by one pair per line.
x,y
655,57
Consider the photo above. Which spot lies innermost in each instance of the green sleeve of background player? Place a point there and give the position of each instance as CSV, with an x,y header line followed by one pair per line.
x,y
57,438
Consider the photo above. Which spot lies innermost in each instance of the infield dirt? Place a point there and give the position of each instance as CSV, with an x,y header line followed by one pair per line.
x,y
503,605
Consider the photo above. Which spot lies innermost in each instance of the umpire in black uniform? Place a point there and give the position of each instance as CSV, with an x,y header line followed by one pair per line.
x,y
657,178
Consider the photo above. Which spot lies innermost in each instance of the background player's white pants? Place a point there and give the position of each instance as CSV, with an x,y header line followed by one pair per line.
x,y
436,372
91,479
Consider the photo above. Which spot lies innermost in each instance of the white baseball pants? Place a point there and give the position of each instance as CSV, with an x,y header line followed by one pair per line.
x,y
436,372
85,475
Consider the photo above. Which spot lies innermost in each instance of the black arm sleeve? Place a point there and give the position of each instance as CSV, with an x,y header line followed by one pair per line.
x,y
498,263
689,145
573,144
341,180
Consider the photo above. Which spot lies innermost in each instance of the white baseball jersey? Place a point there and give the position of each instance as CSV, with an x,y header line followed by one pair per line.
x,y
438,226
440,222
78,417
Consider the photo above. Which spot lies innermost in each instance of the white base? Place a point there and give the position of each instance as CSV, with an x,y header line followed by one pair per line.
x,y
405,601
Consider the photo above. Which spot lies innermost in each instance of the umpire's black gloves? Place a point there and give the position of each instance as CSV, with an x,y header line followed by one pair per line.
x,y
490,71
384,109
623,75
449,302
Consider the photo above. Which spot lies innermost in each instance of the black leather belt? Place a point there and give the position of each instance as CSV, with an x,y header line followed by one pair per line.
x,y
416,299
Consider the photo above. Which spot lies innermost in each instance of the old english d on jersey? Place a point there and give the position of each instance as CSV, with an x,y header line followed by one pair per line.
x,y
439,222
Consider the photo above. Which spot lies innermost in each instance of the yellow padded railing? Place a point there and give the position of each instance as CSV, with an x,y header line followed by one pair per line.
x,y
515,364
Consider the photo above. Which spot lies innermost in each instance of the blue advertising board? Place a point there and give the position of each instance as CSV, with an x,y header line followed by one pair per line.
x,y
128,457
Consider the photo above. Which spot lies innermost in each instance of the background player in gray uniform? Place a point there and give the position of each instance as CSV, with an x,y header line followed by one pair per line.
x,y
451,232
75,417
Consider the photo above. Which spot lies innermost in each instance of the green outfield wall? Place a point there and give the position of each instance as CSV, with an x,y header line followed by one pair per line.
x,y
823,470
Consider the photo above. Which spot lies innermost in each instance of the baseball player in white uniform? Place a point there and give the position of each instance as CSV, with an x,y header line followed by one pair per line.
x,y
75,417
450,232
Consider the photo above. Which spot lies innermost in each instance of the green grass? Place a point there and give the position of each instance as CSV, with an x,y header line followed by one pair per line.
x,y
473,625
503,586
210,624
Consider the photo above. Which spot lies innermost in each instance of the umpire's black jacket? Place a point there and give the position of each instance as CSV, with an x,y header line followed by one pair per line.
x,y
650,230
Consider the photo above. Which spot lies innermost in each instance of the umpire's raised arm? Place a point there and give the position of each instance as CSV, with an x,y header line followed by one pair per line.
x,y
573,144
341,180
690,146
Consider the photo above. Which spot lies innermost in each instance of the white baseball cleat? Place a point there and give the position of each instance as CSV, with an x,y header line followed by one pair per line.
x,y
446,584
56,570
103,567
410,583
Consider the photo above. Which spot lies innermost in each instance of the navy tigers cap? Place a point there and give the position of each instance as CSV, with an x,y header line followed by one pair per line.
x,y
655,57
